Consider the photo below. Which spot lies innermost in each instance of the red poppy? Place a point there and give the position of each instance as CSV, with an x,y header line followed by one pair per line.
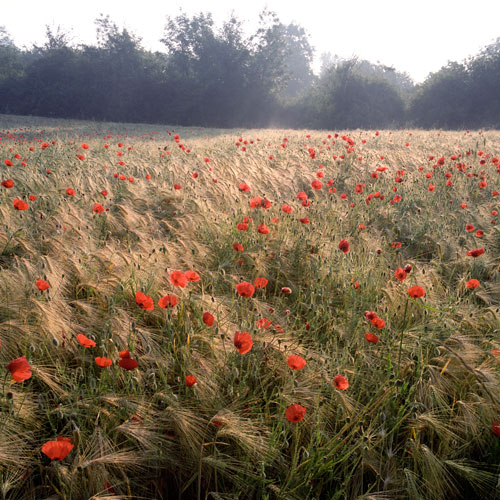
x,y
341,382
178,278
81,157
20,369
469,228
296,362
295,413
177,186
396,244
242,226
344,246
263,229
472,284
260,282
20,205
243,342
378,323
286,208
126,361
85,341
302,196
245,188
416,292
144,301
8,163
7,184
245,289
238,247
98,208
315,184
32,197
371,337
70,192
400,274
304,220
208,319
286,290
192,276
103,362
168,301
476,252
104,192
190,380
479,233
495,428
42,285
58,450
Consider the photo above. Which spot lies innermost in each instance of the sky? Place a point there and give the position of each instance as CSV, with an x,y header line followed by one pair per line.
x,y
415,37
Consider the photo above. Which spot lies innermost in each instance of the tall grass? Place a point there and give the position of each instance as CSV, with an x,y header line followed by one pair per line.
x,y
416,419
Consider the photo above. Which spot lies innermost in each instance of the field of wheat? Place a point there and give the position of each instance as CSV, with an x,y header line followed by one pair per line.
x,y
248,314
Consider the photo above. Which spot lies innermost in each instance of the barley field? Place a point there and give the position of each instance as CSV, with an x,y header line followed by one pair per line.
x,y
248,314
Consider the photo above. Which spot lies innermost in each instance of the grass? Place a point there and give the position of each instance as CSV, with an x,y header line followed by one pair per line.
x,y
416,419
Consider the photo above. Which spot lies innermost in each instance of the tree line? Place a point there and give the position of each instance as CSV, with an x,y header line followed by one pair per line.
x,y
220,77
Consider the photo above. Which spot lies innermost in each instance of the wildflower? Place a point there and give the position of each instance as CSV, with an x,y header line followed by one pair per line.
x,y
168,301
296,362
20,205
85,341
295,413
178,278
371,337
260,282
243,342
42,285
472,284
208,319
344,246
245,289
341,382
20,369
416,292
476,252
103,362
190,380
58,450
144,301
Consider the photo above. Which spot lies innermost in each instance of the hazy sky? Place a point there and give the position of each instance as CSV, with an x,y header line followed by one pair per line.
x,y
417,37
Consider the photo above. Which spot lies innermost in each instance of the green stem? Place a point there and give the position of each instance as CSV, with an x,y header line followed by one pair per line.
x,y
401,336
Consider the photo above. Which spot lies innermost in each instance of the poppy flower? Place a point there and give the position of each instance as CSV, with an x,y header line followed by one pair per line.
x,y
103,362
263,229
144,301
148,177
378,323
396,244
58,450
242,226
476,252
20,369
32,197
104,192
42,285
245,289
8,163
286,290
344,246
81,157
178,278
20,205
416,292
400,274
302,196
295,413
7,184
263,323
98,208
238,247
244,188
70,192
479,233
341,382
85,341
469,228
296,362
190,380
304,220
126,362
243,342
168,301
371,337
472,284
192,276
286,208
495,428
315,184
177,186
208,319
260,282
